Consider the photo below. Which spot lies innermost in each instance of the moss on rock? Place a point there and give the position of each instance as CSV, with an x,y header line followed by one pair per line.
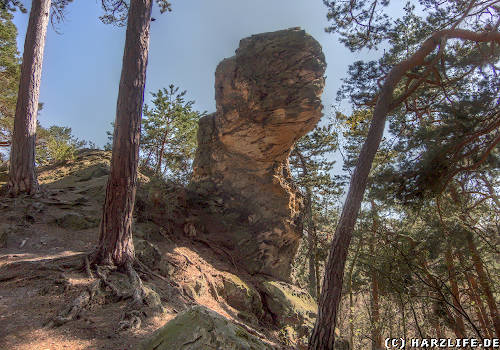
x,y
240,295
76,221
200,328
147,253
292,308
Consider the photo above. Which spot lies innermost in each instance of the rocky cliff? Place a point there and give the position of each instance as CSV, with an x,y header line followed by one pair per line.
x,y
267,97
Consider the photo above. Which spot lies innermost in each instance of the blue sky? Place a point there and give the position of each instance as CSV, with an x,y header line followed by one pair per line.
x,y
82,64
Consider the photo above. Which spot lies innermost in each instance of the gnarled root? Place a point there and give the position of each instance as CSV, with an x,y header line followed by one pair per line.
x,y
79,303
131,319
136,292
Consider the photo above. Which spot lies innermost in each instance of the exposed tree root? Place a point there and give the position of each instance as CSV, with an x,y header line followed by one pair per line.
x,y
131,319
88,270
138,292
79,303
134,315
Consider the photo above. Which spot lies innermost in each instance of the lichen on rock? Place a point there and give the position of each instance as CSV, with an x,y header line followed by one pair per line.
x,y
200,328
291,308
267,97
76,221
241,296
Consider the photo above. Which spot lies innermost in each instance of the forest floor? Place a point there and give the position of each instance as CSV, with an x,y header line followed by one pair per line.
x,y
43,242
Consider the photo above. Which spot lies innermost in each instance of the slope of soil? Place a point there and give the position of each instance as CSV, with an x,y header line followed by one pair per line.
x,y
43,242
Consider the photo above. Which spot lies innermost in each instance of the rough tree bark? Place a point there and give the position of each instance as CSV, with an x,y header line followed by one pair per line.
x,y
115,241
375,327
482,316
323,335
485,284
351,302
452,278
22,176
311,235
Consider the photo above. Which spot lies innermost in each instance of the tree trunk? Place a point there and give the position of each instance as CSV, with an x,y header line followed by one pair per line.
x,y
22,176
115,241
323,335
480,310
485,284
375,327
351,303
316,268
162,149
312,264
311,245
403,314
376,336
459,322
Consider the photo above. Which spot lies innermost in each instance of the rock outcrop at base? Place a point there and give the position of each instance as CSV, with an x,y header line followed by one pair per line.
x,y
291,308
200,328
268,96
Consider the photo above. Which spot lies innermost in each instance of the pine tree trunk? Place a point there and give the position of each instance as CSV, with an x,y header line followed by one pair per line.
x,y
376,336
22,176
485,284
351,303
316,268
459,322
311,246
478,303
115,241
312,264
162,150
323,335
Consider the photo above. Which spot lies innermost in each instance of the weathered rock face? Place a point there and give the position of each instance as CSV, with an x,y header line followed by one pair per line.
x,y
292,309
268,96
200,328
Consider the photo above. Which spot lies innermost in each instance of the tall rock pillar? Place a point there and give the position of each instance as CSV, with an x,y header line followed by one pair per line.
x,y
268,96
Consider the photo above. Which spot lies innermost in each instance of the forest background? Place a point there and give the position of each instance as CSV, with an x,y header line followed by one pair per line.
x,y
428,229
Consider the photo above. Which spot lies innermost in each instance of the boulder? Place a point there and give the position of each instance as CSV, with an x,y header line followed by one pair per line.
x,y
196,287
75,221
147,253
241,296
200,328
291,308
91,172
267,97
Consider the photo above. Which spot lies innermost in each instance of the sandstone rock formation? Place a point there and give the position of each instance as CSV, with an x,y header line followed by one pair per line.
x,y
268,96
292,309
200,328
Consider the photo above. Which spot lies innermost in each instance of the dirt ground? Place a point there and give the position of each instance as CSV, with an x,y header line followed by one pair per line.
x,y
41,269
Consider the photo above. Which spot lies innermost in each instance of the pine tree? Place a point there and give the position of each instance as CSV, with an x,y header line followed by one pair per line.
x,y
115,246
416,73
115,240
168,140
22,177
9,76
311,168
